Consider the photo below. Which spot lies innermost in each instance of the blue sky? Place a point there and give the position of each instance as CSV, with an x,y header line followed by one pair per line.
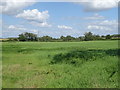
x,y
59,18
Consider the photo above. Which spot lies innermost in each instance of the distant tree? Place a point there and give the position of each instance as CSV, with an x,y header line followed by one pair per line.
x,y
13,39
68,38
22,37
96,37
27,37
46,38
88,36
62,38
108,37
102,36
79,38
115,37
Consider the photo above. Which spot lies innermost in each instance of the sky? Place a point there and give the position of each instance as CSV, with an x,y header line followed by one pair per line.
x,y
57,19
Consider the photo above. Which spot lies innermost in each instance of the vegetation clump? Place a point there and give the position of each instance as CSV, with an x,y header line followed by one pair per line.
x,y
80,56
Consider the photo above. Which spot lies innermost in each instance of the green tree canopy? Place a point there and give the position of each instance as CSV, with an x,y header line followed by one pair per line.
x,y
108,37
89,36
27,37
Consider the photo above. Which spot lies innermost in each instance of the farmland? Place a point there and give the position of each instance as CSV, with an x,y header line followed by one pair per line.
x,y
86,64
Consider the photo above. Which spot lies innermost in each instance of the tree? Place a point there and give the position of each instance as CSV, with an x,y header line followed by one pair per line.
x,y
108,37
88,36
67,38
27,37
62,37
46,38
81,38
96,37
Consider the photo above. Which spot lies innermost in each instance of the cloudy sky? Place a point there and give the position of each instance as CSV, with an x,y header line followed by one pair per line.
x,y
58,18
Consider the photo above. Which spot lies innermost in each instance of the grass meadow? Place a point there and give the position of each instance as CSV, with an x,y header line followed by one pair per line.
x,y
86,64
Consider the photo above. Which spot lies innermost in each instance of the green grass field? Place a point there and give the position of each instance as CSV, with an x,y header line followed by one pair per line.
x,y
90,64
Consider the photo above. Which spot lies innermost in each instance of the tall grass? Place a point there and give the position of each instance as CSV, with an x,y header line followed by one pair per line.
x,y
74,57
91,64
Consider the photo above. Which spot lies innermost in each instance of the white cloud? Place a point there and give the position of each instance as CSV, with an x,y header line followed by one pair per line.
x,y
64,27
14,6
105,25
15,30
12,27
97,27
99,5
43,24
21,28
95,17
35,17
109,22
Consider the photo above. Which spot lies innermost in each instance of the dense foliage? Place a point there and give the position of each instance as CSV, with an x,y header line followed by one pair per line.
x,y
88,36
27,37
77,57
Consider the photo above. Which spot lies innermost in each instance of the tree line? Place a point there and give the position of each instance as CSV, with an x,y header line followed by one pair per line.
x,y
88,36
